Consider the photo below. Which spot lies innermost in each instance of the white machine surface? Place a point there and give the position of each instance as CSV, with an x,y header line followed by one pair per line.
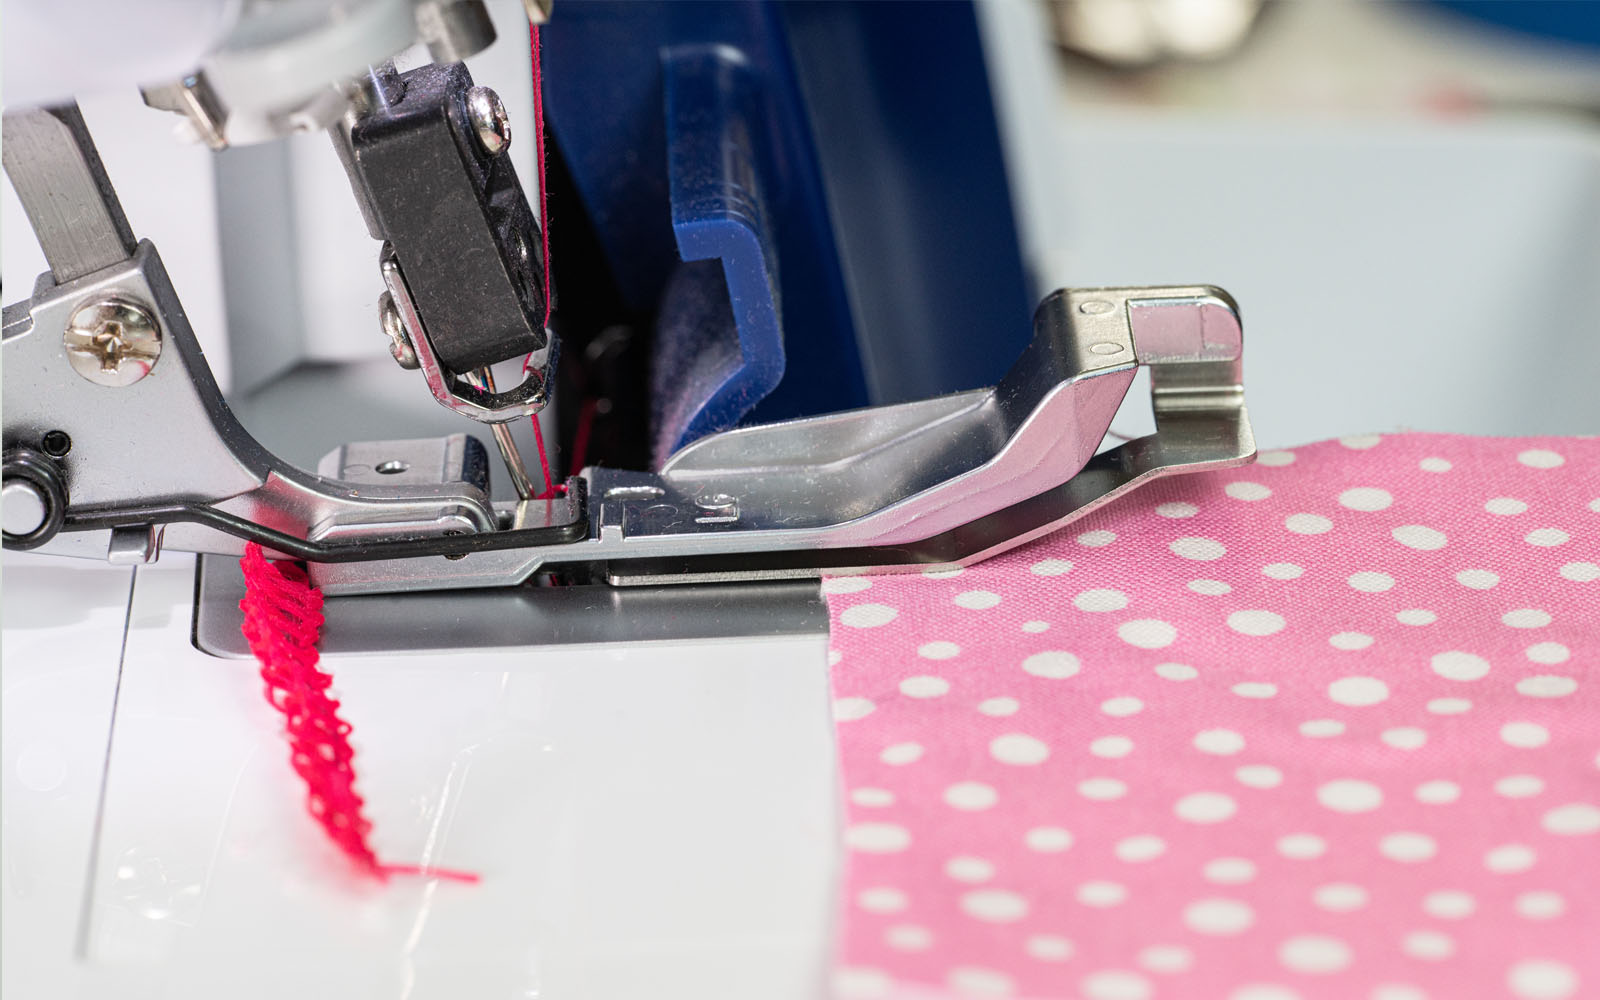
x,y
660,819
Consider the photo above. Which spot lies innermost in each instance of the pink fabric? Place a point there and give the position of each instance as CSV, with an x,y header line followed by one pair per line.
x,y
1325,726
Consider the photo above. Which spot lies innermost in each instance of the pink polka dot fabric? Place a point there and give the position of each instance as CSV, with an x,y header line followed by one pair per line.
x,y
1327,726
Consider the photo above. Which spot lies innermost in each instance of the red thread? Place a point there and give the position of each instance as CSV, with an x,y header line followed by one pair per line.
x,y
282,623
551,489
580,437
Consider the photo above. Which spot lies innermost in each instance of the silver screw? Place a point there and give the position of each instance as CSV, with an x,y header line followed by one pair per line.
x,y
716,508
489,120
399,343
112,342
22,507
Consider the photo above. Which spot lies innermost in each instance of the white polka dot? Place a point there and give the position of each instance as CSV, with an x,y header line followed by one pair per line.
x,y
1048,947
1574,819
943,572
1263,991
970,796
1247,491
938,650
1449,706
1314,954
1404,737
1350,795
1581,572
1102,789
1229,871
1096,539
1477,579
1429,946
970,980
1449,904
1519,786
1397,991
1144,847
924,687
1050,567
1099,893
845,584
1546,686
1540,905
1222,742
851,709
1202,549
1594,505
1358,691
995,906
901,753
1166,958
872,798
1547,653
1256,622
1319,729
1308,524
1275,458
908,937
868,615
1111,746
1259,776
1176,671
1035,626
859,983
999,706
1456,665
1302,846
1255,689
1210,588
1148,632
1370,582
881,900
1177,509
1420,537
1416,616
1018,748
1101,600
1115,984
1218,916
1339,897
1508,859
1505,506
1408,847
1542,979
1361,442
1283,571
969,869
1435,465
977,600
1052,663
1121,706
1526,735
876,838
1438,793
1540,458
1367,498
1526,618
1350,641
1547,537
1047,839
1205,807
834,656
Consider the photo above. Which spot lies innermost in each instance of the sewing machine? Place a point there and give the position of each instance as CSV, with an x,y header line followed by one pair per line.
x,y
795,332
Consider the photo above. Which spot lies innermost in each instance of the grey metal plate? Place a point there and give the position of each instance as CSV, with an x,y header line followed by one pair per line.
x,y
520,616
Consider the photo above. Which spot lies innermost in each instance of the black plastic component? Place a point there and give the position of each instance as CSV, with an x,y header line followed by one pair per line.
x,y
457,218
33,467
